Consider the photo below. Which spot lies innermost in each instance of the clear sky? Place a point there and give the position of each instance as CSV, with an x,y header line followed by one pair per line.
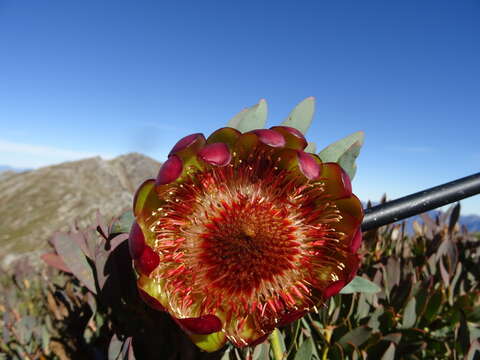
x,y
80,78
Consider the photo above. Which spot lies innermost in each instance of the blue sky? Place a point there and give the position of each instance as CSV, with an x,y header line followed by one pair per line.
x,y
80,78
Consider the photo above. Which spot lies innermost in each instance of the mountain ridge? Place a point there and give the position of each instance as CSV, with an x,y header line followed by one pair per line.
x,y
37,203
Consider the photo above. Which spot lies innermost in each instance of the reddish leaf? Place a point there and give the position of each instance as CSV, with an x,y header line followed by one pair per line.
x,y
102,227
55,261
75,259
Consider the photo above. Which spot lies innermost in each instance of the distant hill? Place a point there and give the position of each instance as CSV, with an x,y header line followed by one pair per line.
x,y
5,168
36,203
9,168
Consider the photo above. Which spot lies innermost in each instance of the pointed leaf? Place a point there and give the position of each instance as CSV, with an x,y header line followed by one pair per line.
x,y
394,337
333,152
347,160
126,346
301,116
81,241
393,273
311,147
102,258
75,260
390,353
131,354
55,261
123,224
474,350
356,337
305,351
262,352
454,217
409,315
101,225
251,118
360,285
114,348
45,339
433,305
91,238
463,334
233,122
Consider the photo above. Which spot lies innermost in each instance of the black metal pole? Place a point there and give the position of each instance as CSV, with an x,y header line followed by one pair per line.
x,y
420,202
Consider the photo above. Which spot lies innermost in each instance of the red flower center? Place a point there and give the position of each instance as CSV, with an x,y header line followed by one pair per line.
x,y
247,242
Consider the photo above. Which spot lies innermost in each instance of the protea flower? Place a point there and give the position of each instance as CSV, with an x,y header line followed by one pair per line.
x,y
241,233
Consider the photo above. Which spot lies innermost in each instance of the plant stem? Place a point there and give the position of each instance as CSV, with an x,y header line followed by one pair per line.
x,y
276,346
325,353
295,336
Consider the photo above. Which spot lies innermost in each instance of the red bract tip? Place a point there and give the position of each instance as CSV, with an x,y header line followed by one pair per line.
x,y
334,288
259,340
215,154
151,301
308,165
353,265
136,241
270,137
148,261
356,241
294,139
185,142
170,170
202,325
291,317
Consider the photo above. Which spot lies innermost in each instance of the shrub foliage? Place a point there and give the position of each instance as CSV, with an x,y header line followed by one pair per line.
x,y
85,305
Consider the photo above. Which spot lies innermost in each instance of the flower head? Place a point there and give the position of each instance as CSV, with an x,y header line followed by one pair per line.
x,y
243,232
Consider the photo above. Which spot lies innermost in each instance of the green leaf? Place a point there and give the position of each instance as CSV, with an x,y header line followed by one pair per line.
x,y
463,334
226,354
347,160
305,351
75,259
114,348
250,118
473,351
390,353
381,319
45,338
410,314
394,337
311,147
360,285
123,223
261,352
433,306
454,217
334,151
356,337
127,349
301,116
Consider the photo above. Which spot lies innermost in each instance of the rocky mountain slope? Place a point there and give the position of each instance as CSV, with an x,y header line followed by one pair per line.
x,y
35,204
